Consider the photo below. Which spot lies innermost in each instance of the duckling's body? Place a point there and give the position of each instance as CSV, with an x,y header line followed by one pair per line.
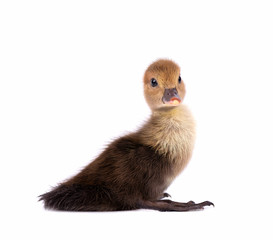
x,y
134,171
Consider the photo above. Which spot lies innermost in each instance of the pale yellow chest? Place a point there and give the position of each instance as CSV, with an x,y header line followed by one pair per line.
x,y
172,133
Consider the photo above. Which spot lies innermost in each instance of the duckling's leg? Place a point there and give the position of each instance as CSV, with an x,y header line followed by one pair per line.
x,y
166,195
168,205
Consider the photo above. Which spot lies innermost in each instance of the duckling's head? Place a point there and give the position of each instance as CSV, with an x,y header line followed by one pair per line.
x,y
163,86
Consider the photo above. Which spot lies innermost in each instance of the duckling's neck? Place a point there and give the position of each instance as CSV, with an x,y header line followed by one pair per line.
x,y
168,112
170,131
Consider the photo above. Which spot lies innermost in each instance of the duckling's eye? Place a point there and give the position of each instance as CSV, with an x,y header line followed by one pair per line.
x,y
154,83
179,80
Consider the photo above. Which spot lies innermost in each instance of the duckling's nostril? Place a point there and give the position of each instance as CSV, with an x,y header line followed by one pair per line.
x,y
170,91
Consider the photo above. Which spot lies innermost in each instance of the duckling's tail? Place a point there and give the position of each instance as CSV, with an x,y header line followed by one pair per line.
x,y
79,198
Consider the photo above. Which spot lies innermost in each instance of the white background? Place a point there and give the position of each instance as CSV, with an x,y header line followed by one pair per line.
x,y
71,80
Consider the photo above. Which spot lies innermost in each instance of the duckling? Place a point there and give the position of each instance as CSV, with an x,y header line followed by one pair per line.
x,y
134,171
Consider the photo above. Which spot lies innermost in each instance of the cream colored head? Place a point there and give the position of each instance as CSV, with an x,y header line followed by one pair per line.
x,y
163,86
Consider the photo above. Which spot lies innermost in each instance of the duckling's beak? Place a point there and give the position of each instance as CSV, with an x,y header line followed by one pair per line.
x,y
171,97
